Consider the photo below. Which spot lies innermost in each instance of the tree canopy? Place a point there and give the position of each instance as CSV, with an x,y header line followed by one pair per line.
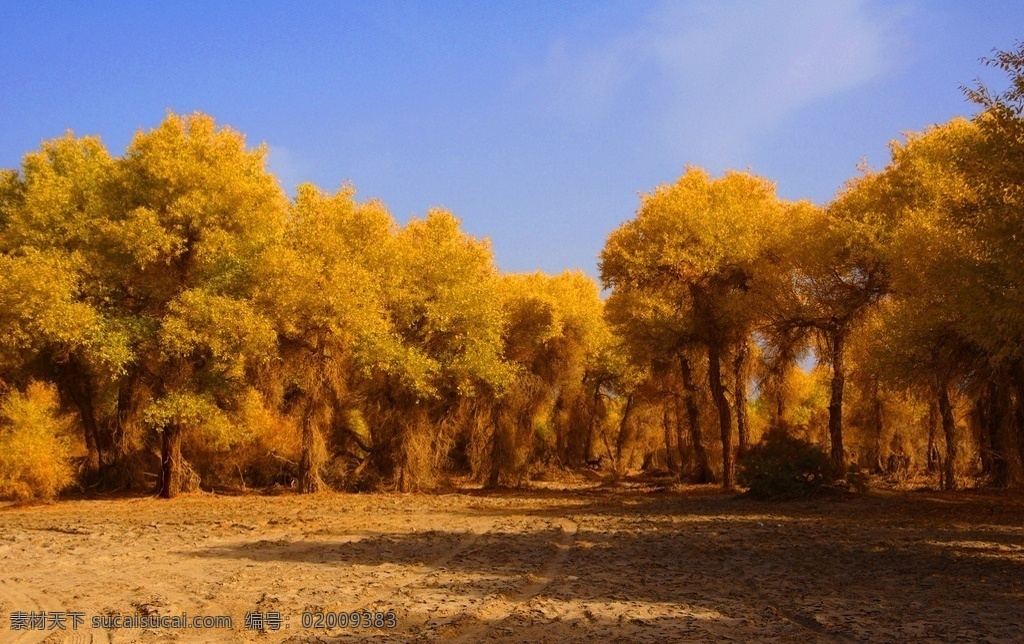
x,y
183,320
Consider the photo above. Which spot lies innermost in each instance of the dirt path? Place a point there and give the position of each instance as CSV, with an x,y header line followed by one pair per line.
x,y
582,565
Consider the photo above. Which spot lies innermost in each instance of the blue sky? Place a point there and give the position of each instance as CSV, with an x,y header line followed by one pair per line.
x,y
536,122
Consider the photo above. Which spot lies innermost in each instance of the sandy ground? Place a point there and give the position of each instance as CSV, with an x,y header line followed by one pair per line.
x,y
576,565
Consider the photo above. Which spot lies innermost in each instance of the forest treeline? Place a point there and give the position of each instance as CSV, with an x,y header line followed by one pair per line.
x,y
170,318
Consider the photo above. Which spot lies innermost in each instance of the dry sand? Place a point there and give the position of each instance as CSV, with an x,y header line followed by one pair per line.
x,y
550,565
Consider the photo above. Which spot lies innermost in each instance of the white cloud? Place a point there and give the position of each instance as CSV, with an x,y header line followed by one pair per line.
x,y
720,73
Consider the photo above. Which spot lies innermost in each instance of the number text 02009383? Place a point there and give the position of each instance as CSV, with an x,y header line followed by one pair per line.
x,y
353,619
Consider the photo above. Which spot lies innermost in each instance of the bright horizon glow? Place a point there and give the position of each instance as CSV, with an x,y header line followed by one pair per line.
x,y
538,124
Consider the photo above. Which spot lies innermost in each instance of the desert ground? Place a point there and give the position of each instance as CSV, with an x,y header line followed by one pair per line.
x,y
593,563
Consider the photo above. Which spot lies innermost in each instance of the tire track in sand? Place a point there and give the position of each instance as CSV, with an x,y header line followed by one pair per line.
x,y
15,598
473,627
381,595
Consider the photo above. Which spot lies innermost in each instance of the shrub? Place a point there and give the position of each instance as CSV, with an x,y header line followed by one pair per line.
x,y
783,467
35,450
258,447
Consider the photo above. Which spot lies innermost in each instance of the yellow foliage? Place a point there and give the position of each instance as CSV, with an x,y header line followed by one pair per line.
x,y
255,445
35,449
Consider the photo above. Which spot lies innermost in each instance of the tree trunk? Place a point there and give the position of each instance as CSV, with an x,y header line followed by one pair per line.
x,y
836,341
558,415
510,417
949,430
1018,412
685,456
497,446
595,418
310,461
780,394
172,472
779,368
121,470
933,422
666,425
877,428
703,473
724,415
578,426
985,434
73,382
740,378
314,416
1007,468
623,437
416,448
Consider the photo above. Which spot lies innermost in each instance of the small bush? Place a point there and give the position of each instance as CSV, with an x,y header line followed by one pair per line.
x,y
783,467
260,448
35,450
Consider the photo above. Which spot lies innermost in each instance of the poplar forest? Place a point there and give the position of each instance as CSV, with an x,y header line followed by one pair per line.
x,y
632,457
